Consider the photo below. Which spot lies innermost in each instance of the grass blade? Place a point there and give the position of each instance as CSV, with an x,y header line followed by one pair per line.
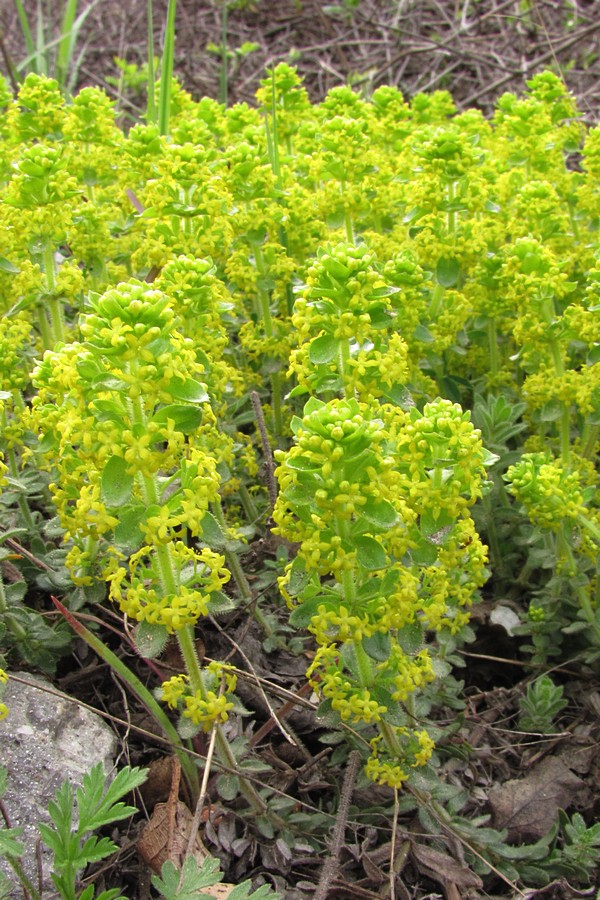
x,y
66,42
166,70
25,28
73,69
151,101
41,46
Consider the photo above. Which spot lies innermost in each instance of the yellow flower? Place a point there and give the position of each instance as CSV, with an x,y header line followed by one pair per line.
x,y
173,690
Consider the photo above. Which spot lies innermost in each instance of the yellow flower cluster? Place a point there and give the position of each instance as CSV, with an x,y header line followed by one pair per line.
x,y
416,749
195,575
207,705
362,494
550,493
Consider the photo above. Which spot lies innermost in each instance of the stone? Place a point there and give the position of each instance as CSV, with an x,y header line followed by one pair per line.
x,y
46,738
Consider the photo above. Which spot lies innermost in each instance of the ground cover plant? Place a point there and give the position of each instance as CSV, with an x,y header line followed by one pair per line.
x,y
312,381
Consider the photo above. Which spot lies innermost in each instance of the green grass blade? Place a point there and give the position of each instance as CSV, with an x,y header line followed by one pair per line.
x,y
151,101
74,70
224,73
25,28
66,42
69,35
42,57
166,70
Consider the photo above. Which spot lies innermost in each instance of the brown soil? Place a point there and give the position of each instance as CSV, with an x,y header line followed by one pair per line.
x,y
476,50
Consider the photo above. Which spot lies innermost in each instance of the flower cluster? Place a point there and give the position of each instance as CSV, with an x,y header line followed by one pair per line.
x,y
379,507
344,320
210,703
549,493
193,575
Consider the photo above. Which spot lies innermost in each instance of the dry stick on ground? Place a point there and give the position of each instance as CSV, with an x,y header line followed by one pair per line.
x,y
331,864
534,63
195,825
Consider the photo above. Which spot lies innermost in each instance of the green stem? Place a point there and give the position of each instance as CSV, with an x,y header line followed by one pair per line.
x,y
437,299
549,314
26,513
451,196
589,439
389,736
54,305
343,357
573,221
248,504
24,881
497,560
185,639
265,310
493,345
347,216
43,325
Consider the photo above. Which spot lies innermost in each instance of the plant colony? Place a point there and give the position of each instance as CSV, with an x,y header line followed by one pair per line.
x,y
402,284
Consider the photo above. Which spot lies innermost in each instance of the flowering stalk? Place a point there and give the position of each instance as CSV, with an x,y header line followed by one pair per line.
x,y
378,500
135,477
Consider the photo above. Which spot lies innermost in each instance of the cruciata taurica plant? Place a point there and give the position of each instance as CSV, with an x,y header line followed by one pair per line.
x,y
378,499
125,430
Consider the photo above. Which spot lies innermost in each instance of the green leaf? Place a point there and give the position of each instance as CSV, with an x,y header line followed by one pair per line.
x,y
9,845
109,411
410,638
377,646
323,349
380,513
188,391
370,553
336,268
150,639
228,787
96,849
116,483
186,884
298,495
447,272
185,418
299,577
128,535
7,266
220,603
98,805
313,405
301,616
551,411
265,827
212,533
187,729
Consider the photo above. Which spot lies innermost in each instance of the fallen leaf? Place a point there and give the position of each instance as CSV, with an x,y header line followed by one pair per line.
x,y
159,783
443,868
218,890
528,806
166,837
167,834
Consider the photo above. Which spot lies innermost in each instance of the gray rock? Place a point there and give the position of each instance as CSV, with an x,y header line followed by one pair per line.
x,y
45,739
